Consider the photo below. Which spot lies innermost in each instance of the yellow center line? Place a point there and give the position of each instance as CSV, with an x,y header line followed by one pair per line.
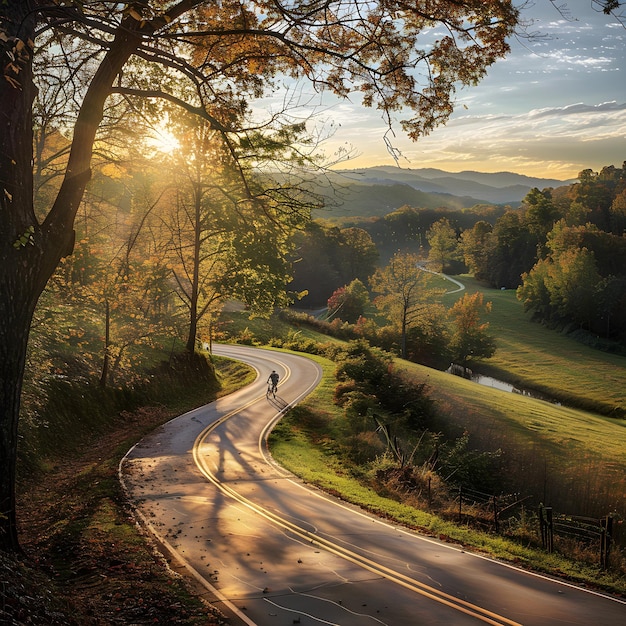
x,y
468,608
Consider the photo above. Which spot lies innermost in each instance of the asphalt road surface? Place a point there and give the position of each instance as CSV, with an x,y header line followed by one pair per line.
x,y
272,551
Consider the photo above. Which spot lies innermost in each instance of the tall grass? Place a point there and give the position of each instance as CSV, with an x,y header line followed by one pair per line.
x,y
563,457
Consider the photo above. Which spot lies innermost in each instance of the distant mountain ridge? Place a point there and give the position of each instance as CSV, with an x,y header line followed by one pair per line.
x,y
470,186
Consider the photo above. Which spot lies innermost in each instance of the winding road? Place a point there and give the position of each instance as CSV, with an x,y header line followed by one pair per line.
x,y
271,551
459,286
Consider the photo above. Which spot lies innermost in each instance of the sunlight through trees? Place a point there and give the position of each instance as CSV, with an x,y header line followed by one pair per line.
x,y
113,64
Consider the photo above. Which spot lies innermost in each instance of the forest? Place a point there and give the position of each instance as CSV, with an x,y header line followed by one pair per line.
x,y
563,250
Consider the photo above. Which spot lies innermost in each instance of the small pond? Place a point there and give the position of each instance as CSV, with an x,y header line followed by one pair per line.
x,y
488,381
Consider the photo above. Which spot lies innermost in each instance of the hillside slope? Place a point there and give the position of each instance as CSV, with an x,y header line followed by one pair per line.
x,y
377,191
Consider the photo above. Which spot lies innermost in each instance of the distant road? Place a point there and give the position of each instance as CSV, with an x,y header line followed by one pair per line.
x,y
460,285
271,551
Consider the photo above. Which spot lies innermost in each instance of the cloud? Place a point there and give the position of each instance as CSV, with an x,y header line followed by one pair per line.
x,y
554,106
557,142
577,109
561,59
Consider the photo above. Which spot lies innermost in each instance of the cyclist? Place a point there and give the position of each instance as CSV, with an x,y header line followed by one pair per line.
x,y
272,382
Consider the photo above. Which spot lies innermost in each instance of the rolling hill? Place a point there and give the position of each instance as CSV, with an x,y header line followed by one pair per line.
x,y
379,190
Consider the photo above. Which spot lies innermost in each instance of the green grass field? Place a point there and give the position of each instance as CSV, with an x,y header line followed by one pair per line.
x,y
533,356
568,458
571,456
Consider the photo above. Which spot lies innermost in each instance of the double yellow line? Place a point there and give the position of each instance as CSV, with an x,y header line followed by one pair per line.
x,y
457,604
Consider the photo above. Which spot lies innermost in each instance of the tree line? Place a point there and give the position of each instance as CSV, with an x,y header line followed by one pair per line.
x,y
563,250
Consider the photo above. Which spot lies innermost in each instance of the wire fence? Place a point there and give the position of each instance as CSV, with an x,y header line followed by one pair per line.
x,y
591,532
594,532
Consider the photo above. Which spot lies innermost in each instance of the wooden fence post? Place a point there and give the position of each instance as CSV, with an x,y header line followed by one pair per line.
x,y
545,527
606,524
496,525
550,530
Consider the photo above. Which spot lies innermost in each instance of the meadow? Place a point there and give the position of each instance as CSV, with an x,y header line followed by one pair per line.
x,y
300,442
565,457
559,453
571,447
534,357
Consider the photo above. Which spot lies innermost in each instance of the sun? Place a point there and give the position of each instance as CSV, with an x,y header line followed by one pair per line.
x,y
164,141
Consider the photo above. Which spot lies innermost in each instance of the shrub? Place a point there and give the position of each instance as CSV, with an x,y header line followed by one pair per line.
x,y
367,366
358,408
246,337
463,467
364,447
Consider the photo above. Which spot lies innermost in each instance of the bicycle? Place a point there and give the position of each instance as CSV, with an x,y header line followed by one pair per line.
x,y
272,383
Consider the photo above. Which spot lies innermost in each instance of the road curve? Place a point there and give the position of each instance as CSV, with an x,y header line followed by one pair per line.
x,y
275,552
459,285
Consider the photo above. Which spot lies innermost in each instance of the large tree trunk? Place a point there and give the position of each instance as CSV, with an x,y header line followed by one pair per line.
x,y
30,252
21,259
15,318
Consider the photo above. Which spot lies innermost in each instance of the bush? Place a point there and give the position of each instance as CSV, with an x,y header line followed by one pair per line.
x,y
358,409
367,366
411,399
298,343
462,467
364,447
246,337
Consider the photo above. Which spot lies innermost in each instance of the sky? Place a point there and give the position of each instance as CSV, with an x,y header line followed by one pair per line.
x,y
553,107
